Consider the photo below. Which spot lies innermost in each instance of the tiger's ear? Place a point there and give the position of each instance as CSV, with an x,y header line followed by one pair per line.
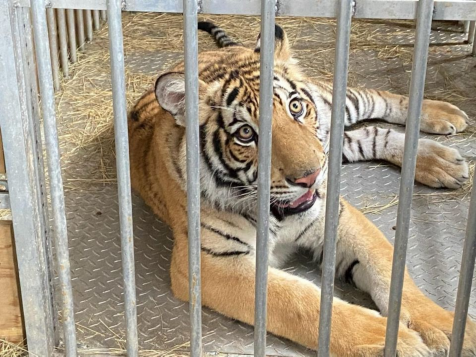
x,y
282,51
170,93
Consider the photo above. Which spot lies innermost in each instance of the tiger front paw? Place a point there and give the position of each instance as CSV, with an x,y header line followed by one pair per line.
x,y
442,118
435,325
440,166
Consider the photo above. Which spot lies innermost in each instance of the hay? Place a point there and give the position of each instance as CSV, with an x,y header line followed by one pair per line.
x,y
8,349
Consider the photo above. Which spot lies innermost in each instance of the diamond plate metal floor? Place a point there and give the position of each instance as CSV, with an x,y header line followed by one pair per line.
x,y
439,217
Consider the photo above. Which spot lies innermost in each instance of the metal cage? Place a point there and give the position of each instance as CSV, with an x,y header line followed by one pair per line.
x,y
19,119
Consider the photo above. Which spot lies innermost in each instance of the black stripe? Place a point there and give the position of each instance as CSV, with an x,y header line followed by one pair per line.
x,y
347,111
374,143
219,153
386,137
355,102
349,274
361,149
304,231
386,105
232,253
341,208
278,33
347,139
291,83
234,157
232,96
372,102
308,95
225,235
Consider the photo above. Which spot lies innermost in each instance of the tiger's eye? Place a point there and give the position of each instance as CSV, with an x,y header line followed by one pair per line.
x,y
295,107
245,134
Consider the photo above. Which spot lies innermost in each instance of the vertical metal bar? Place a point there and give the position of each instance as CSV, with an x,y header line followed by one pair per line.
x,y
53,36
30,79
89,25
193,183
20,155
103,15
267,41
72,35
54,170
116,48
80,28
474,45
417,86
97,21
466,26
63,39
471,32
344,18
465,279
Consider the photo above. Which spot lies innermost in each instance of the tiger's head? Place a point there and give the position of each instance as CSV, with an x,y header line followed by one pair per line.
x,y
229,129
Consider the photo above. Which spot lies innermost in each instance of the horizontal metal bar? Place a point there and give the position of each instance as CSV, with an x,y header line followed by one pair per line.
x,y
365,9
4,200
417,87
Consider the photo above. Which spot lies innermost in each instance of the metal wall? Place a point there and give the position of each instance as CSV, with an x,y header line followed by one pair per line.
x,y
70,23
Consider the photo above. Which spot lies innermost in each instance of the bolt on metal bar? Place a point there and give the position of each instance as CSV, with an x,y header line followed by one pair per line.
x,y
89,25
63,40
116,50
190,10
53,36
465,279
417,86
344,19
96,20
54,170
80,28
72,35
267,43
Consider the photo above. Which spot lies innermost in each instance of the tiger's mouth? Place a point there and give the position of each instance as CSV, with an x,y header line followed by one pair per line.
x,y
301,204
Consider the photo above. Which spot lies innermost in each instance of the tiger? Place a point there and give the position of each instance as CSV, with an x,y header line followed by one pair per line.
x,y
229,80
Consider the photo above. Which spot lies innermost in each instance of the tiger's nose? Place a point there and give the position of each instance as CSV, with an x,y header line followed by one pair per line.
x,y
308,180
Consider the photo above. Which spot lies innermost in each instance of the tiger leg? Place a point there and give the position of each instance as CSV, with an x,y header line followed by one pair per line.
x,y
437,117
365,256
292,306
437,165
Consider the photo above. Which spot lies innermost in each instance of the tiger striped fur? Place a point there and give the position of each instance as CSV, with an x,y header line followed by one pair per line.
x,y
228,117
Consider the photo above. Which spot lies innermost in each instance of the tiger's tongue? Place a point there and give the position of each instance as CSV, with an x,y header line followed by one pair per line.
x,y
304,198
